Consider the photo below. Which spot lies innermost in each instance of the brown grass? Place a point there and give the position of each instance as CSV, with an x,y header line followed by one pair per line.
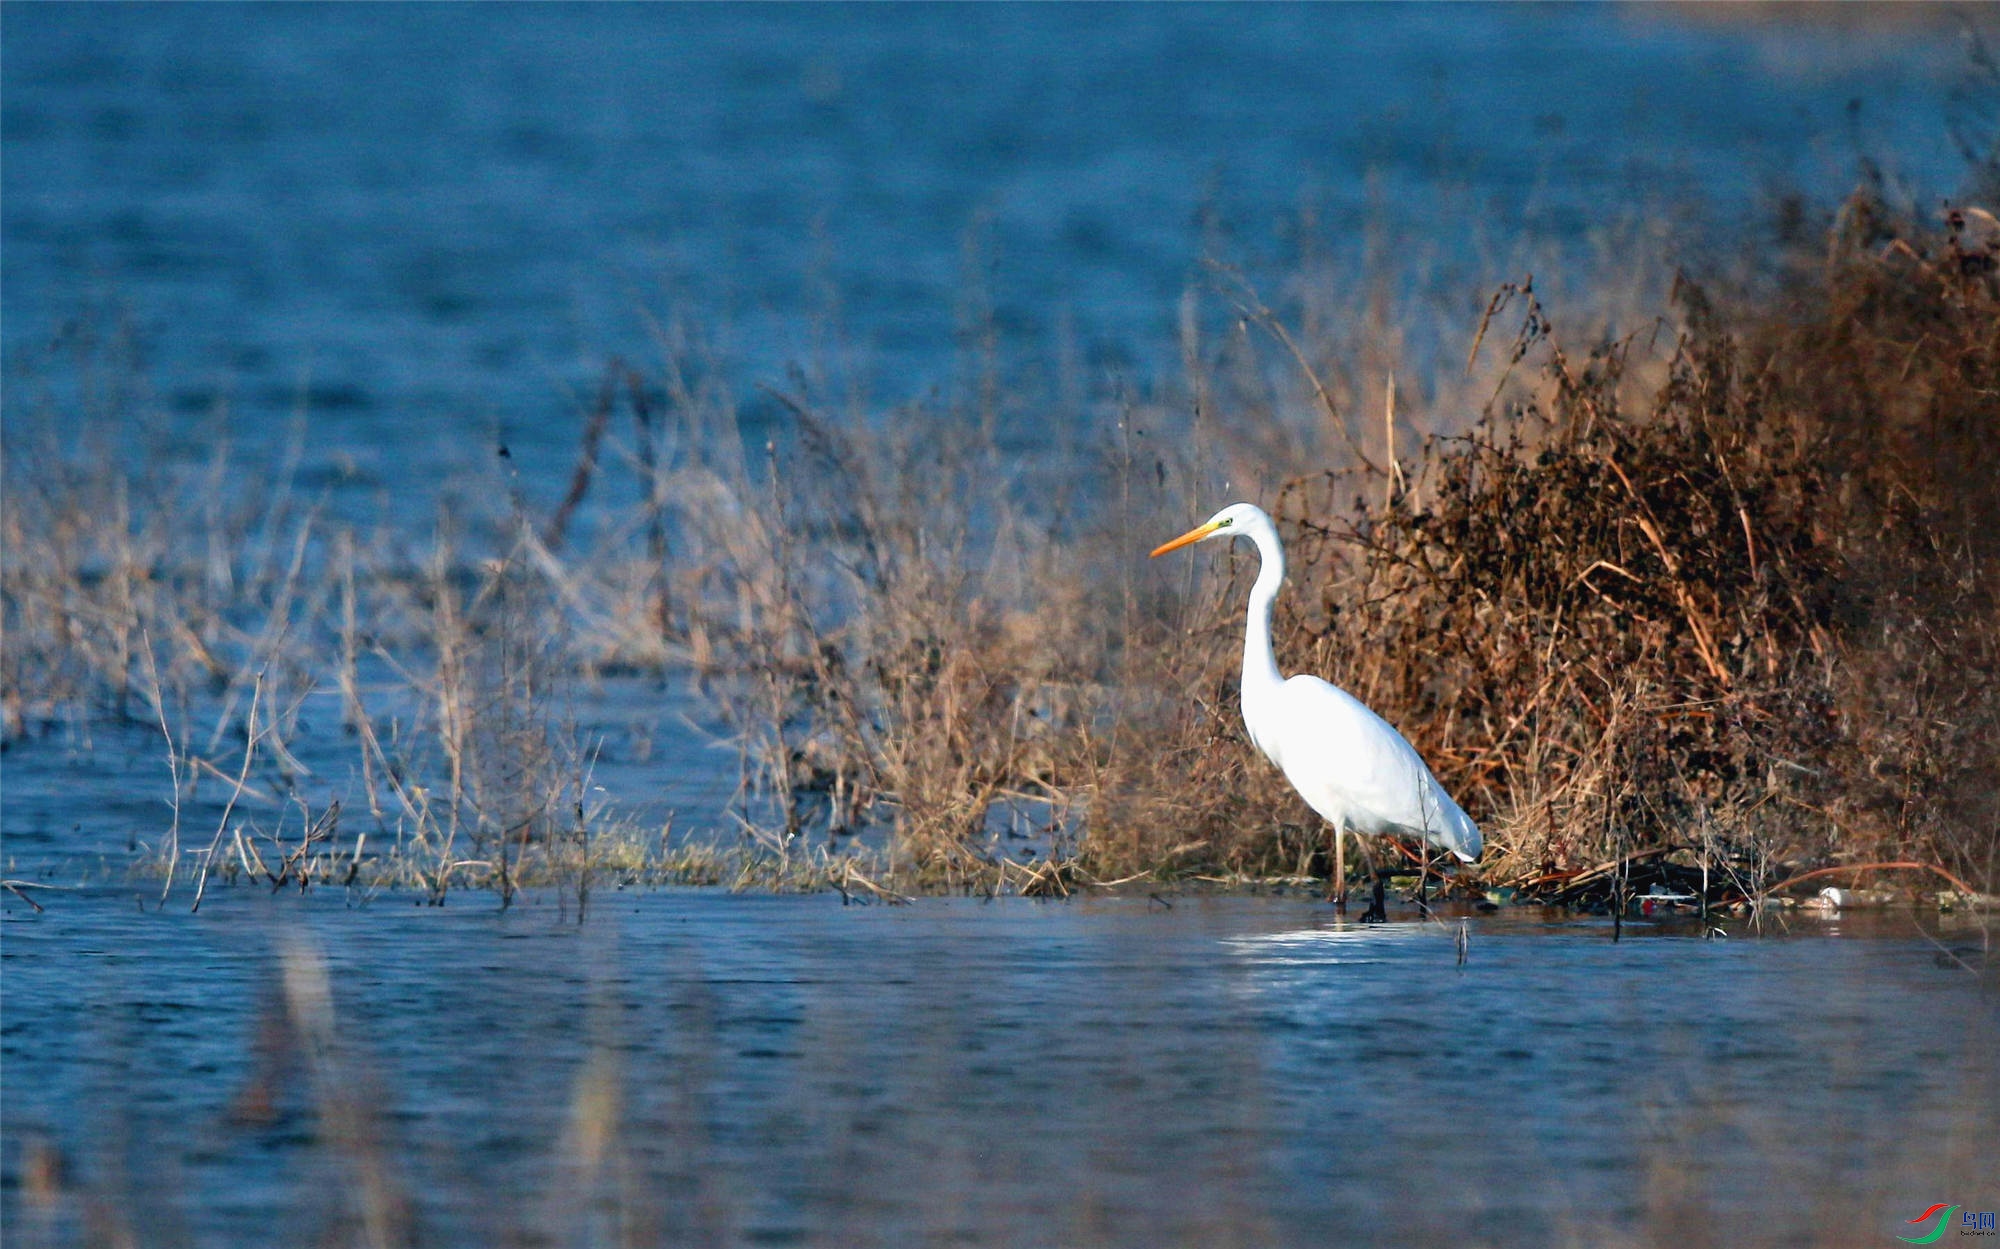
x,y
1718,591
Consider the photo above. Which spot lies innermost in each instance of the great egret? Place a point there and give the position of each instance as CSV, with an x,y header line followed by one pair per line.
x,y
1345,761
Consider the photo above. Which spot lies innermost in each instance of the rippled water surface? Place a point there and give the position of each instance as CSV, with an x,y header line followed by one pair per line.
x,y
430,223
789,1070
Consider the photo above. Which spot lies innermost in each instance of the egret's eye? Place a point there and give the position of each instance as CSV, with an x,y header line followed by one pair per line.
x,y
1225,522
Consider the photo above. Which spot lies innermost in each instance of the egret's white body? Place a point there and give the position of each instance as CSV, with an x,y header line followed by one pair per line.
x,y
1346,762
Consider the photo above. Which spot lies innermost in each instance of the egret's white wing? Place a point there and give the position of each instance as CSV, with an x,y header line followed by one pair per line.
x,y
1352,766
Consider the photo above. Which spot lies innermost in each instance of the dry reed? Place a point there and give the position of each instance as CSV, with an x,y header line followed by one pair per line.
x,y
1717,596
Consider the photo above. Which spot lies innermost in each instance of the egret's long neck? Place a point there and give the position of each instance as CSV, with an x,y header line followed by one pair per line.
x,y
1260,662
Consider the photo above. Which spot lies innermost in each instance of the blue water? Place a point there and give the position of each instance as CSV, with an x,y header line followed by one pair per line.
x,y
430,224
788,1070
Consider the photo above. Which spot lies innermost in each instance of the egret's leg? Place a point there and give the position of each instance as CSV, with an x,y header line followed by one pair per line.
x,y
1378,910
1336,889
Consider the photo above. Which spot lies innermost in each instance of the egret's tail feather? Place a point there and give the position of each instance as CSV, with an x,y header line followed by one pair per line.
x,y
1446,825
1461,835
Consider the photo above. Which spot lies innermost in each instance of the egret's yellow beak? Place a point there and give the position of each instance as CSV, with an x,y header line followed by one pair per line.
x,y
1193,535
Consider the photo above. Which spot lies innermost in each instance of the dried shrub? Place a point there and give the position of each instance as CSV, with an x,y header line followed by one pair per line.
x,y
1752,618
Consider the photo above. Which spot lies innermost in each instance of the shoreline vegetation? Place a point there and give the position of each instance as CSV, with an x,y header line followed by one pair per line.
x,y
1702,610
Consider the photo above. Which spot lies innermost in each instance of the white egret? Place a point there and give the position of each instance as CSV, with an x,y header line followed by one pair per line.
x,y
1345,761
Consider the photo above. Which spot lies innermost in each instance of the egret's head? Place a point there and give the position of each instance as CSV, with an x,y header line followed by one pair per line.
x,y
1227,523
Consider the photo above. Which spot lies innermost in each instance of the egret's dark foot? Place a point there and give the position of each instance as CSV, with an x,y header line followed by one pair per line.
x,y
1378,909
